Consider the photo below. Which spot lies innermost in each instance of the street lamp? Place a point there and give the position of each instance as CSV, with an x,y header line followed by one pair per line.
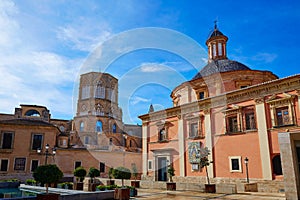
x,y
246,163
47,153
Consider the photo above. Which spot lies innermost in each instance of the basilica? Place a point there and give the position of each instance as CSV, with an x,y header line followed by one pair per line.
x,y
232,110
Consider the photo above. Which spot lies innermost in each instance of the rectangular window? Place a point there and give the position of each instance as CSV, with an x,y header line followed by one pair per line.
x,y
85,93
20,164
34,165
77,164
102,167
7,140
37,140
233,124
220,53
235,164
86,139
214,50
4,165
194,129
283,117
250,121
195,167
149,164
162,135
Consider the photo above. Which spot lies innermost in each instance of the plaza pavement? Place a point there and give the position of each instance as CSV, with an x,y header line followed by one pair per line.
x,y
147,194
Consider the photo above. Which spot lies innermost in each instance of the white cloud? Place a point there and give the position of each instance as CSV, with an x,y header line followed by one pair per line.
x,y
84,35
265,57
135,100
152,67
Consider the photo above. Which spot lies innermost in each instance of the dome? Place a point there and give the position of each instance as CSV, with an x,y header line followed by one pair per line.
x,y
217,66
215,33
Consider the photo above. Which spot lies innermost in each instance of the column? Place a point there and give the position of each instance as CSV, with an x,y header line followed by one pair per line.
x,y
263,139
145,148
208,141
181,144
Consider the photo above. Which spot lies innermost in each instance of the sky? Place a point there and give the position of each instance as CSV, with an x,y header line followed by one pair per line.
x,y
151,46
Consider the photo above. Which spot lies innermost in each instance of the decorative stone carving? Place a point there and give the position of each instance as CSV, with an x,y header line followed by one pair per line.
x,y
259,100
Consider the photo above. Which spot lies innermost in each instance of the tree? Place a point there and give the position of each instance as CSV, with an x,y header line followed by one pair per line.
x,y
134,171
171,172
122,173
80,173
110,173
47,174
93,172
204,162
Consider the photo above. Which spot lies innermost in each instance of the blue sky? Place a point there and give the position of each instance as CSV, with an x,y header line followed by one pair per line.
x,y
45,45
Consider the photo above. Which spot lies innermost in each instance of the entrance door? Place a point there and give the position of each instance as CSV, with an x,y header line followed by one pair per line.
x,y
162,169
298,156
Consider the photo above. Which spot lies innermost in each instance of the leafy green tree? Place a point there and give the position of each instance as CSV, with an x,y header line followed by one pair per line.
x,y
110,173
171,172
47,174
93,172
204,162
122,173
80,173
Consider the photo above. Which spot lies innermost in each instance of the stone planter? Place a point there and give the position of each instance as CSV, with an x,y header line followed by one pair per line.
x,y
251,187
78,186
92,186
171,186
122,193
135,184
49,196
210,188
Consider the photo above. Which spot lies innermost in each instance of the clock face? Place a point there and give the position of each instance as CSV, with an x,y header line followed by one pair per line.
x,y
62,128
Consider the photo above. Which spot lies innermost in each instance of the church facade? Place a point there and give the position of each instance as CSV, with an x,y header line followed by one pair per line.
x,y
234,111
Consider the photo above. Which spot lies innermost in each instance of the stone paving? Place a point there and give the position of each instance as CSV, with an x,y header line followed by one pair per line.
x,y
180,195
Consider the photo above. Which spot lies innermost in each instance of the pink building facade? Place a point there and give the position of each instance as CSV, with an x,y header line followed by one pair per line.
x,y
234,111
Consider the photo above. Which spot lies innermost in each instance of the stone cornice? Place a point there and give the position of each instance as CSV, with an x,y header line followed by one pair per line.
x,y
255,92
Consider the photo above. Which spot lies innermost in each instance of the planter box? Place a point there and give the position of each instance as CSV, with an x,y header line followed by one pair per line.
x,y
133,192
171,186
210,188
78,186
250,187
49,196
110,182
122,194
92,186
135,184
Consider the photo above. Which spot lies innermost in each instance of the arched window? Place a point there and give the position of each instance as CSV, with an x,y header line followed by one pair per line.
x,y
81,128
32,113
99,126
277,169
114,128
99,91
110,141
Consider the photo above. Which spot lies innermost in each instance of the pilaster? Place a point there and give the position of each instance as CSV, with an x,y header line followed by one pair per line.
x,y
181,144
263,139
145,148
208,141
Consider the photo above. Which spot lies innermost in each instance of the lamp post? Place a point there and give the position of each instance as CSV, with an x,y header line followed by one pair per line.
x,y
47,153
246,163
